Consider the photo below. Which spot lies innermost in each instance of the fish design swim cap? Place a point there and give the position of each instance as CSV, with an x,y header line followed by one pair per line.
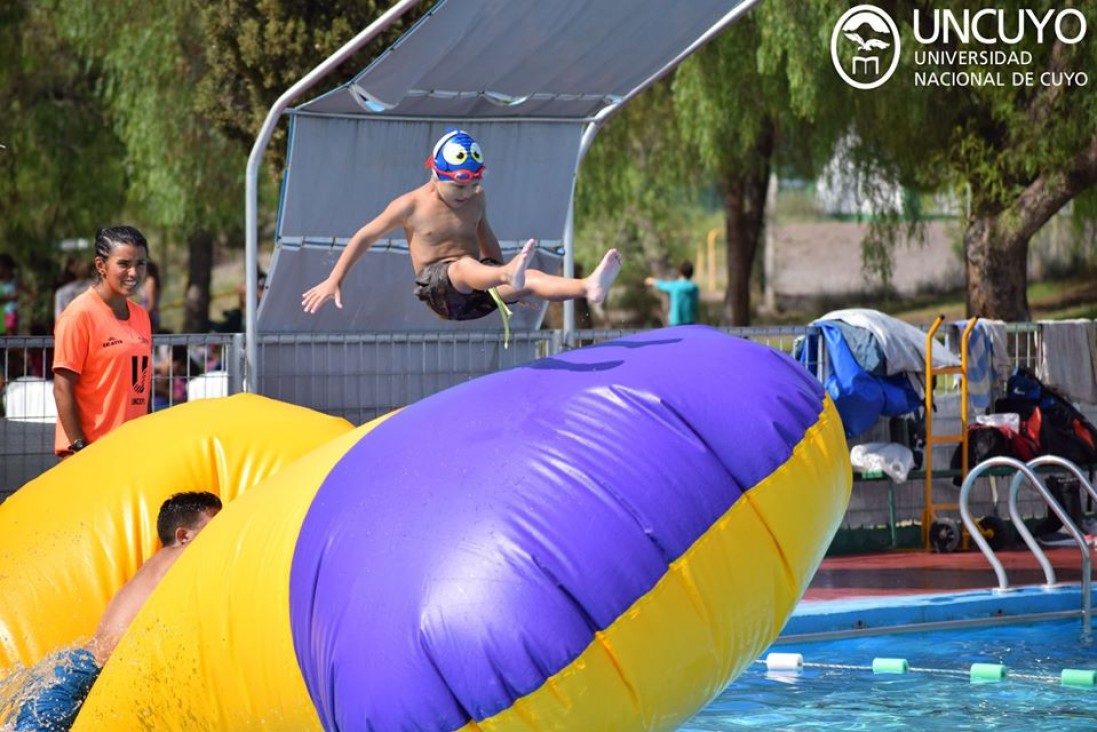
x,y
457,157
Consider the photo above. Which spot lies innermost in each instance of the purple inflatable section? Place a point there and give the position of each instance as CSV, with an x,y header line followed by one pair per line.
x,y
469,547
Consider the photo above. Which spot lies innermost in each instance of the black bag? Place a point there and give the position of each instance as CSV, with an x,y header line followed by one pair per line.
x,y
1065,490
1063,431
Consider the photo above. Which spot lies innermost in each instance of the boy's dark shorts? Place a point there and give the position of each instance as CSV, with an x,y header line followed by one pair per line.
x,y
432,286
55,707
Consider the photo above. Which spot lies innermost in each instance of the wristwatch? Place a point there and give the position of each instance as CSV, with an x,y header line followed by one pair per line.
x,y
78,445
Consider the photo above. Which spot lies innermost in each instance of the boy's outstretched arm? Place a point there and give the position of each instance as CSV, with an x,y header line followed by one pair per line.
x,y
394,215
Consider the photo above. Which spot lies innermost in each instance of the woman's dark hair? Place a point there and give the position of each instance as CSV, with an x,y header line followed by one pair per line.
x,y
182,511
109,237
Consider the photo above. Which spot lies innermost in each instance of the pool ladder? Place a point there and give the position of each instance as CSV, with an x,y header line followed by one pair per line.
x,y
1027,470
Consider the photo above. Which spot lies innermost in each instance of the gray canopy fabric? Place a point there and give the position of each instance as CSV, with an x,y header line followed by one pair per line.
x,y
344,171
564,59
530,80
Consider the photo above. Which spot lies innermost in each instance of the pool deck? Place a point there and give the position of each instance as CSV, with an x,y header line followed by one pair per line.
x,y
922,572
916,590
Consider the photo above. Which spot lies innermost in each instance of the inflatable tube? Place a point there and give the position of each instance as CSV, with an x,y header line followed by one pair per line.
x,y
597,540
73,536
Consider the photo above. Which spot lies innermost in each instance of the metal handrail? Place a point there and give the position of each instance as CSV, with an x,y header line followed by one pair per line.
x,y
1065,518
1027,471
973,528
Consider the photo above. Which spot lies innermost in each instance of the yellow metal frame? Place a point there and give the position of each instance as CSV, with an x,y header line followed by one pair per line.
x,y
930,509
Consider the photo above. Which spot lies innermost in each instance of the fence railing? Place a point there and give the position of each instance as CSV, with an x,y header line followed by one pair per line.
x,y
357,376
184,367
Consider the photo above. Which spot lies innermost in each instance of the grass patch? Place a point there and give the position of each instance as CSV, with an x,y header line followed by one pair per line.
x,y
1059,299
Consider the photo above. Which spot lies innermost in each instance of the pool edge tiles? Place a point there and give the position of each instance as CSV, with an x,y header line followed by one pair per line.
x,y
819,619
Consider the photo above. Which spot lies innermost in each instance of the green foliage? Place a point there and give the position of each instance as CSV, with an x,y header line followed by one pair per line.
x,y
723,102
257,49
711,125
636,186
180,167
61,172
984,143
995,139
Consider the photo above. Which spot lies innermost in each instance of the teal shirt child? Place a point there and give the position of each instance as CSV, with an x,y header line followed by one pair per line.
x,y
685,295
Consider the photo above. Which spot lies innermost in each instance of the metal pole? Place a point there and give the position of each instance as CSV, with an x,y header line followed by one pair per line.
x,y
602,117
569,234
251,215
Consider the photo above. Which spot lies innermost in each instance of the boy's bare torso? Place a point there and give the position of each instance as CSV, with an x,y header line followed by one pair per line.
x,y
438,232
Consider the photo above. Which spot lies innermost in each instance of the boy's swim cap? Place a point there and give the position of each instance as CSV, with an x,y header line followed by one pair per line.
x,y
457,157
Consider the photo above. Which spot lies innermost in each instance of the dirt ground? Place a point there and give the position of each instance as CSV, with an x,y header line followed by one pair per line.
x,y
818,260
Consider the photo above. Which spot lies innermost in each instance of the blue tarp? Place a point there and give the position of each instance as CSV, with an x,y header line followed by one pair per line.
x,y
861,397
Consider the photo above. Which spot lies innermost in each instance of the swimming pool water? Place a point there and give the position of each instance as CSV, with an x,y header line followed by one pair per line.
x,y
937,694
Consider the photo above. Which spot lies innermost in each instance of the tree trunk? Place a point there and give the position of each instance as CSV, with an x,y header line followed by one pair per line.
x,y
745,208
997,272
199,274
996,239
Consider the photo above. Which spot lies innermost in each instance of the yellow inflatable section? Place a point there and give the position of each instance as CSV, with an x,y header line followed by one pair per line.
x,y
72,537
220,620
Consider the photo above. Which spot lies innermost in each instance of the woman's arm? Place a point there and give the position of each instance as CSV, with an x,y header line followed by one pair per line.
x,y
64,393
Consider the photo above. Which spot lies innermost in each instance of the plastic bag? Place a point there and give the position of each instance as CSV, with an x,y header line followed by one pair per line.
x,y
1009,420
895,460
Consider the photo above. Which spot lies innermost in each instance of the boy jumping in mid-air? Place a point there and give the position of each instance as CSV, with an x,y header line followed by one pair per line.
x,y
455,254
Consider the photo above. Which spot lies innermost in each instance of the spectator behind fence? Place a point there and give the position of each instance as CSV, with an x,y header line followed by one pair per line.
x,y
83,277
684,295
9,296
172,367
55,707
149,294
233,321
102,364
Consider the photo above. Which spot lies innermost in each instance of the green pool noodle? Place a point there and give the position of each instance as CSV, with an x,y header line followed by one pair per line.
x,y
890,666
1079,677
987,672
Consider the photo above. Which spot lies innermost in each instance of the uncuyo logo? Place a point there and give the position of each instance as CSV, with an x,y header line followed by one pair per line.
x,y
865,46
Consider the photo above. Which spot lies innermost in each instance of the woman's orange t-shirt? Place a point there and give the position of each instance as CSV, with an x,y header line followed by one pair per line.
x,y
113,359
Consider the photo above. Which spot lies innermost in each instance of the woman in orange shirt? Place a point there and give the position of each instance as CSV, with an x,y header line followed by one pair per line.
x,y
102,362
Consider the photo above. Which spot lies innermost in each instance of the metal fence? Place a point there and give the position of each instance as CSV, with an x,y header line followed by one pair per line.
x,y
184,367
361,376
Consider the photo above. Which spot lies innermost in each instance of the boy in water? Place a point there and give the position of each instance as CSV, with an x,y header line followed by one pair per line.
x,y
455,255
181,518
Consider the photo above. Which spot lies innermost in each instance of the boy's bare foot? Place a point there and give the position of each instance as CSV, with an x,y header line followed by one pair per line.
x,y
514,273
599,281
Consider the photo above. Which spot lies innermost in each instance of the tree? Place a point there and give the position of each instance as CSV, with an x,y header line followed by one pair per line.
x,y
749,101
61,171
257,49
1016,152
634,186
187,87
179,166
766,94
728,112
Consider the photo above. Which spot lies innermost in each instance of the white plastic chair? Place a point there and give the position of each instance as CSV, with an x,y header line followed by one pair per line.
x,y
30,399
208,385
